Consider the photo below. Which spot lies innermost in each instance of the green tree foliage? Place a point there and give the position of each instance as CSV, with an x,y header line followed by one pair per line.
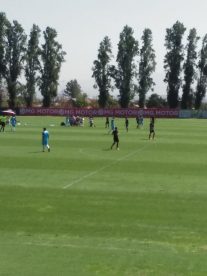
x,y
15,40
126,69
101,72
32,64
3,23
189,70
156,100
74,92
52,57
3,26
202,79
146,67
81,100
73,89
172,62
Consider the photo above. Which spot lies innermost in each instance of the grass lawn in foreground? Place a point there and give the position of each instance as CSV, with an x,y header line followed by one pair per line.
x,y
84,209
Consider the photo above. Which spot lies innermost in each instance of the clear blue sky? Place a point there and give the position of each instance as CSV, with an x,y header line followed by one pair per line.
x,y
82,24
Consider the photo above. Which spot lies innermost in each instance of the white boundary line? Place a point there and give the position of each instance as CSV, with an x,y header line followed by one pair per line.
x,y
104,167
108,248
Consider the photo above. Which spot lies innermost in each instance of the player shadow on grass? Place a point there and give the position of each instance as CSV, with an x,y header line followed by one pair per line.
x,y
145,139
35,152
109,149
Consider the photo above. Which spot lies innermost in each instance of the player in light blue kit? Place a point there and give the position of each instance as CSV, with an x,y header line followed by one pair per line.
x,y
13,122
112,125
45,140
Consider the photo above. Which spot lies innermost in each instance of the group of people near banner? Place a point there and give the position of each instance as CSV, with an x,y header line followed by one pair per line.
x,y
74,121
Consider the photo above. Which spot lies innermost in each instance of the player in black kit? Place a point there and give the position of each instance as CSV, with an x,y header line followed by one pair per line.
x,y
115,134
152,130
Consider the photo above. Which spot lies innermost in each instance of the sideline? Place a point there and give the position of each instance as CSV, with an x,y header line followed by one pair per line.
x,y
104,167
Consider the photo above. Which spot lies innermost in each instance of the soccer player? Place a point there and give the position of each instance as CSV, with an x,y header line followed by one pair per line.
x,y
152,120
91,122
3,123
137,120
127,124
141,121
13,122
107,122
115,134
151,130
112,125
45,140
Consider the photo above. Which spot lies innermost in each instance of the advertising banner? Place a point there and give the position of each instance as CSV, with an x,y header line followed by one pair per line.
x,y
191,113
185,113
100,112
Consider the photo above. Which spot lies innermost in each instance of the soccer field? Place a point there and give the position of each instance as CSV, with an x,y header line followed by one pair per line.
x,y
84,209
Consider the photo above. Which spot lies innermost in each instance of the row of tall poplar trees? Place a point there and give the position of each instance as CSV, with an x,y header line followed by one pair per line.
x,y
21,55
185,68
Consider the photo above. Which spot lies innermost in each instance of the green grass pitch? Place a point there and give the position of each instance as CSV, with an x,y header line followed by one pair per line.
x,y
84,209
